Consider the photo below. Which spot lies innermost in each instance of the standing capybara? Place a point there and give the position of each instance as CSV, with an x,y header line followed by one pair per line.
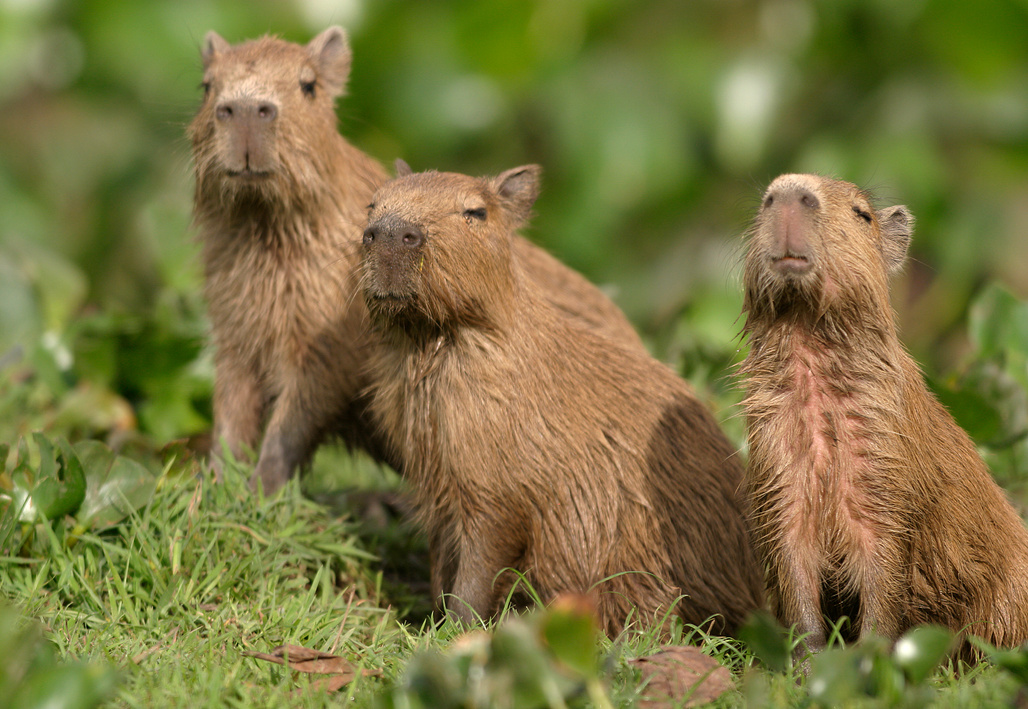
x,y
867,499
535,445
278,190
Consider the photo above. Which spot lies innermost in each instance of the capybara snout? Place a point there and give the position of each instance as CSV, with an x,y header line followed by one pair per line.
x,y
247,134
393,248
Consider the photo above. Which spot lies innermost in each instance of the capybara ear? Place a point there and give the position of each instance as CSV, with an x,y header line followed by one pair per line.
x,y
518,188
402,168
331,53
897,224
213,44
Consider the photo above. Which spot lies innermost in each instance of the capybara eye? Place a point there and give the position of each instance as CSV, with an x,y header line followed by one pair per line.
x,y
307,87
206,86
768,201
478,214
865,215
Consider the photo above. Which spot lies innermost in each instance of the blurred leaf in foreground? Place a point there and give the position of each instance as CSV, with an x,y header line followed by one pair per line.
x,y
32,678
767,640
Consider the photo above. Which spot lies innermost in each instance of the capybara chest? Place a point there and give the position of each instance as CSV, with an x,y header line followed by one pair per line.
x,y
276,308
821,487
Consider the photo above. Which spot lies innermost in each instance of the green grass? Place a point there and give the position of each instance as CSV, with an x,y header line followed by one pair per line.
x,y
173,596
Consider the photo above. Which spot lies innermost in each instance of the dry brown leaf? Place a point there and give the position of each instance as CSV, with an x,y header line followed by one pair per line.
x,y
314,662
334,683
304,659
677,672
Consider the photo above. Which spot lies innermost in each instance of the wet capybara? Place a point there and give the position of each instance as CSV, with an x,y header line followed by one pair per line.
x,y
278,193
535,445
867,499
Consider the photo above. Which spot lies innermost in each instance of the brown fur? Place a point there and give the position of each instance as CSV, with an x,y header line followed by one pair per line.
x,y
280,197
534,443
868,500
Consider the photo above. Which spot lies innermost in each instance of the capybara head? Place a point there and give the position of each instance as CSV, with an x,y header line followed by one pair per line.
x,y
818,246
268,104
437,249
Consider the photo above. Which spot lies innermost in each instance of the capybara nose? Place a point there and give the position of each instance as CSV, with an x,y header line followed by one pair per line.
x,y
399,233
412,237
246,109
792,194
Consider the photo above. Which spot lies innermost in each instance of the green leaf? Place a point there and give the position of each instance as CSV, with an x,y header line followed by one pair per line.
x,y
520,665
835,677
570,630
1014,661
998,321
115,485
60,486
73,686
768,640
973,412
32,676
20,313
921,650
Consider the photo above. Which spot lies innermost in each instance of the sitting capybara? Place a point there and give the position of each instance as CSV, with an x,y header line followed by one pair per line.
x,y
278,190
533,444
867,499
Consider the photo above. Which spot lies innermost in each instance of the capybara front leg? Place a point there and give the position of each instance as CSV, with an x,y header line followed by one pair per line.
x,y
238,409
484,555
288,441
795,591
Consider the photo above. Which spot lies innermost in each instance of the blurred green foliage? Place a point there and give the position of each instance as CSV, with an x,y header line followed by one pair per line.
x,y
33,677
658,124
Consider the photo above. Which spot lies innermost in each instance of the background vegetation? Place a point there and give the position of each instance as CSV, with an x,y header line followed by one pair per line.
x,y
657,122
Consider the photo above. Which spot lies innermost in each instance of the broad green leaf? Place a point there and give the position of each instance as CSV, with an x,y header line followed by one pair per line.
x,y
22,483
60,486
115,485
921,650
1014,661
61,284
519,661
767,640
570,630
835,677
998,321
972,411
71,686
19,309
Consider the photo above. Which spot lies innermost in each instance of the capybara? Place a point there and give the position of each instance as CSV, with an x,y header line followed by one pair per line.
x,y
535,445
867,499
278,193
